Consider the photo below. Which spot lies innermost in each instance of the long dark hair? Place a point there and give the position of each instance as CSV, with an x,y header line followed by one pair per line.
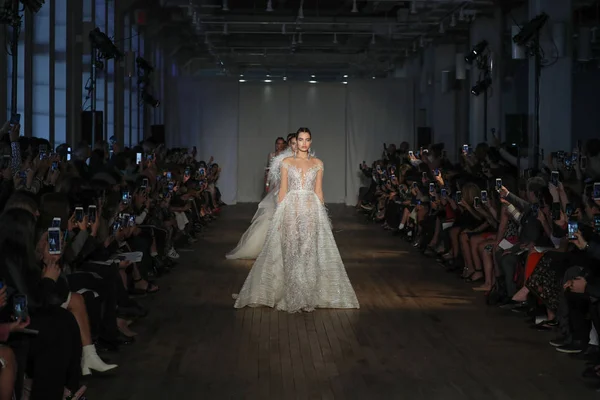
x,y
17,246
301,130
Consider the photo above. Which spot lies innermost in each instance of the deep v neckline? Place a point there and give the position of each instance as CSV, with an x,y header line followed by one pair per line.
x,y
303,173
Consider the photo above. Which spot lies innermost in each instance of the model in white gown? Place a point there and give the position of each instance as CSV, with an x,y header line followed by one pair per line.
x,y
252,241
299,267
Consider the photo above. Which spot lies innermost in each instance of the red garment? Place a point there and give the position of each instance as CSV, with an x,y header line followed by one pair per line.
x,y
450,216
4,332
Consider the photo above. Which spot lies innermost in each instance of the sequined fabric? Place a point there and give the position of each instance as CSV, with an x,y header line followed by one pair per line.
x,y
299,267
252,241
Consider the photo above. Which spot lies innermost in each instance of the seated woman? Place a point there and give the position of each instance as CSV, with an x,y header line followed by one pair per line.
x,y
53,357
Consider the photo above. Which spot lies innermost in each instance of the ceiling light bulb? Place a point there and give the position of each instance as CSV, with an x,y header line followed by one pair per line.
x,y
300,12
354,8
225,6
461,15
270,6
413,7
345,76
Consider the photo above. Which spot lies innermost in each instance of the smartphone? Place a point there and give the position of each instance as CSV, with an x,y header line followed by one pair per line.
x,y
583,162
78,214
432,187
170,176
56,222
498,184
1,283
597,223
415,185
125,197
54,165
68,154
596,191
458,196
535,208
125,219
43,154
444,193
555,211
145,182
149,157
484,196
138,158
569,210
476,202
466,148
573,229
20,309
554,178
92,211
436,172
186,173
15,119
411,153
171,186
202,171
54,241
131,220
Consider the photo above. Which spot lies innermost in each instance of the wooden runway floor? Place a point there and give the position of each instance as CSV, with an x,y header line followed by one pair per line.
x,y
420,333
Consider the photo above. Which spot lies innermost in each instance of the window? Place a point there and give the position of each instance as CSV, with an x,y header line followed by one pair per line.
x,y
60,72
127,88
41,74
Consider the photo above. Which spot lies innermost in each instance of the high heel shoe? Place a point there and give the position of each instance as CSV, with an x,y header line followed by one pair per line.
x,y
90,361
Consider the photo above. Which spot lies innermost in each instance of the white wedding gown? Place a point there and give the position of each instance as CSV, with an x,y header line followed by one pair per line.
x,y
299,267
252,241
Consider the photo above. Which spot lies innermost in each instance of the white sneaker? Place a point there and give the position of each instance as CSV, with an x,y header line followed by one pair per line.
x,y
172,254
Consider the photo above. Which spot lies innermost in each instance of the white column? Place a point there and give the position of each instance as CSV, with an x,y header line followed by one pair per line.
x,y
444,104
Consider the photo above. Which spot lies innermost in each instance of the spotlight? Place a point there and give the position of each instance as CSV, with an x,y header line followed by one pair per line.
x,y
150,100
481,86
476,52
33,5
104,45
144,65
530,29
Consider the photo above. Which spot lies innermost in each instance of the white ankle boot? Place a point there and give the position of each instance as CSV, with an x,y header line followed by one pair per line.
x,y
90,361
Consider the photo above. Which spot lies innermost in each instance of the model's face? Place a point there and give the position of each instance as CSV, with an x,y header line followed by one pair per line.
x,y
293,144
279,145
304,141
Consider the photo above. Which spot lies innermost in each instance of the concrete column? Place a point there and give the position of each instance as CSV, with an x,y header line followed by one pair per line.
x,y
119,86
444,98
490,30
555,80
75,38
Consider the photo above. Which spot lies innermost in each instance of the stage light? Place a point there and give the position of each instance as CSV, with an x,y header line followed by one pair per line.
x,y
150,100
267,81
144,65
345,76
476,52
104,45
481,86
345,83
242,80
530,29
33,5
312,81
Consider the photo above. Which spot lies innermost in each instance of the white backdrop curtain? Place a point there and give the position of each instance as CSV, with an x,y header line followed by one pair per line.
x,y
238,123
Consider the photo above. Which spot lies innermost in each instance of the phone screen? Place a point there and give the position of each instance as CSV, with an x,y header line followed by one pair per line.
x,y
444,192
596,191
432,188
187,172
125,197
20,310
138,158
573,228
15,119
169,175
597,223
54,240
92,214
202,171
458,196
79,214
56,222
465,148
132,220
554,178
498,184
171,186
145,182
484,197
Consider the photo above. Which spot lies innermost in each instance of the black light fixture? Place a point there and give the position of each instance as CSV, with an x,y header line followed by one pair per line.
x,y
530,29
149,99
476,52
33,5
144,65
481,86
104,45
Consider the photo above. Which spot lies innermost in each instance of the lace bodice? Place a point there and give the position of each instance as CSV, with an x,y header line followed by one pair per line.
x,y
298,179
